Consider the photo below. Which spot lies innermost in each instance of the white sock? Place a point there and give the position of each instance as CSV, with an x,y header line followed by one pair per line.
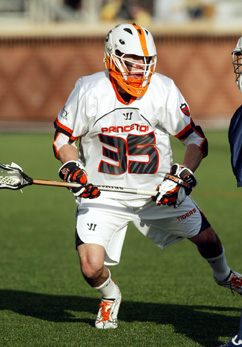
x,y
219,266
108,290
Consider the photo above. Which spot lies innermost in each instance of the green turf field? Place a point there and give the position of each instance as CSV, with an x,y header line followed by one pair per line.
x,y
169,297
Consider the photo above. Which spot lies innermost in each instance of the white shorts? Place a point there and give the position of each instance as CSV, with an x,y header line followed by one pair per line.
x,y
104,221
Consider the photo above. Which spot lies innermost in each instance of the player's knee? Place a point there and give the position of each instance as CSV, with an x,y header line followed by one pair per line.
x,y
206,237
211,237
208,243
91,260
91,271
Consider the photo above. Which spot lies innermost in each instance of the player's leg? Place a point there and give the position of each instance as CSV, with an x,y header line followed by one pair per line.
x,y
211,249
98,276
164,225
92,263
100,233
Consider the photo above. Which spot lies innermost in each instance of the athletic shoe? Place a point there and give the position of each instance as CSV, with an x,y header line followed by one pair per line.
x,y
233,281
232,343
108,312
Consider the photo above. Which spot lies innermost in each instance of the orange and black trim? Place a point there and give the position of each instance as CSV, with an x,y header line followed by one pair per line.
x,y
186,131
204,144
190,128
56,152
62,128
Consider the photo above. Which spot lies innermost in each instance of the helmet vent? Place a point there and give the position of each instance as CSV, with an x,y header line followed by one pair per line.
x,y
122,42
128,31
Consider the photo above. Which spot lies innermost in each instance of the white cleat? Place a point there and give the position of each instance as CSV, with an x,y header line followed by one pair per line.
x,y
108,313
233,282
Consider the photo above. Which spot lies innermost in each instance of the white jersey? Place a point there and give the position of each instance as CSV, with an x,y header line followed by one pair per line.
x,y
122,144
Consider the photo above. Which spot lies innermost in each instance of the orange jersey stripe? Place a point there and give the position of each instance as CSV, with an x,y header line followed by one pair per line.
x,y
142,39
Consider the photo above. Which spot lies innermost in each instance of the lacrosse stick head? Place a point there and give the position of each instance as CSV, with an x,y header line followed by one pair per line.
x,y
13,177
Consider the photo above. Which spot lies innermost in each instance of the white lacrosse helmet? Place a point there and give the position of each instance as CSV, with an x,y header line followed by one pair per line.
x,y
237,63
123,45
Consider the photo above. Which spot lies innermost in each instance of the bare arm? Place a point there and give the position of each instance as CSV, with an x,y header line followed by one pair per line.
x,y
193,157
67,153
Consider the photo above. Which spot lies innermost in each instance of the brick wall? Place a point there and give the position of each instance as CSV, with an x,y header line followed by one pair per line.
x,y
38,74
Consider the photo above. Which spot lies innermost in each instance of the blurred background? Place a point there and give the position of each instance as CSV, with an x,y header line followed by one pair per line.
x,y
45,45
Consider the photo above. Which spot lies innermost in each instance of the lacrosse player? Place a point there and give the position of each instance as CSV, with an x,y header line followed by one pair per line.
x,y
123,118
235,140
235,127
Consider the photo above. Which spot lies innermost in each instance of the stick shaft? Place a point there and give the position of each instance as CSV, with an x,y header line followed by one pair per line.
x,y
101,187
127,190
56,183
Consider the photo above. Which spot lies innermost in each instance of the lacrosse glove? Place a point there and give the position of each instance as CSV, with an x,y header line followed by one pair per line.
x,y
72,171
176,186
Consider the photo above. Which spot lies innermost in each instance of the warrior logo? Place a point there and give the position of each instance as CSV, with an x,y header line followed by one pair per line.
x,y
128,115
184,108
91,226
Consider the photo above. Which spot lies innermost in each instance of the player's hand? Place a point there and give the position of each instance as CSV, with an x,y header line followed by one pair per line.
x,y
72,171
90,192
176,186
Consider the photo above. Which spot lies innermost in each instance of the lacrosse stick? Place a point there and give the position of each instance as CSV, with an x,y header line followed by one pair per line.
x,y
13,177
